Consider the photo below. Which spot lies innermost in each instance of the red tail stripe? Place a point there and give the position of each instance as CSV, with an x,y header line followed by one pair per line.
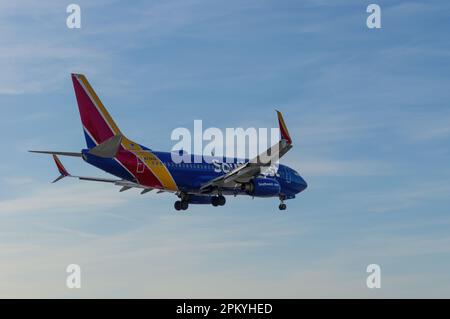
x,y
90,116
146,177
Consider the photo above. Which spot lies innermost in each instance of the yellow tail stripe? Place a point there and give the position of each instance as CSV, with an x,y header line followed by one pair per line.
x,y
153,163
99,104
158,168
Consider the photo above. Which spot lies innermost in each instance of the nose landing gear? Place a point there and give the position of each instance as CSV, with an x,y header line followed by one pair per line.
x,y
282,205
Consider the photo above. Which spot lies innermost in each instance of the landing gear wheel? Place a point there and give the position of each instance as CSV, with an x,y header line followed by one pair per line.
x,y
282,205
218,200
181,205
221,200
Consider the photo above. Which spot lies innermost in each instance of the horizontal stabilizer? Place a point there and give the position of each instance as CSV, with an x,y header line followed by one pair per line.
x,y
76,154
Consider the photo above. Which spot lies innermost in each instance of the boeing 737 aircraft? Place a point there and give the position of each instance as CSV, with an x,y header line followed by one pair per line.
x,y
137,166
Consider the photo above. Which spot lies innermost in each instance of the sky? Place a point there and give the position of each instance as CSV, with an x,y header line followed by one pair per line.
x,y
367,110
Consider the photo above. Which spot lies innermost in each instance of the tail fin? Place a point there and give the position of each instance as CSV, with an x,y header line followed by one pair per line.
x,y
61,169
98,125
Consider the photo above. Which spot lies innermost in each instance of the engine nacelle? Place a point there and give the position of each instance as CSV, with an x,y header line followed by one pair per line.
x,y
262,187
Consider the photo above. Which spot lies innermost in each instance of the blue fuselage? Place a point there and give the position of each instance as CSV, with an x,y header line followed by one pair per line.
x,y
190,176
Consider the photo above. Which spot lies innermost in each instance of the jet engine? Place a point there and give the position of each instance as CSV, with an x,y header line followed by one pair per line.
x,y
262,187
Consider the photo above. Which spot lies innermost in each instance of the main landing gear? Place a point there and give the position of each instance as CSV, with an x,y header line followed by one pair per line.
x,y
181,205
282,205
218,200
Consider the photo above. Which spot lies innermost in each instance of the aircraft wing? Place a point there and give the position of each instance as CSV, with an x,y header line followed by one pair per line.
x,y
241,174
254,167
119,182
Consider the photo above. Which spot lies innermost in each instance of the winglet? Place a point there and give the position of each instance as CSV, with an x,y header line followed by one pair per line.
x,y
61,169
283,129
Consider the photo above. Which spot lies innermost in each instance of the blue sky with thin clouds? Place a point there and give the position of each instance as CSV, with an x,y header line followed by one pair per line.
x,y
368,111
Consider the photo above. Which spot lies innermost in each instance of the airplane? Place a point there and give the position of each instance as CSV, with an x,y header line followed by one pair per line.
x,y
136,166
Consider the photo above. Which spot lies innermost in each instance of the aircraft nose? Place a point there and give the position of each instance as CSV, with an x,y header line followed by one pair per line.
x,y
302,184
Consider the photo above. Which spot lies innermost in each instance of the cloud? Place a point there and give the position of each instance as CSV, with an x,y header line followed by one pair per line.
x,y
17,181
403,195
62,198
426,128
333,167
29,42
